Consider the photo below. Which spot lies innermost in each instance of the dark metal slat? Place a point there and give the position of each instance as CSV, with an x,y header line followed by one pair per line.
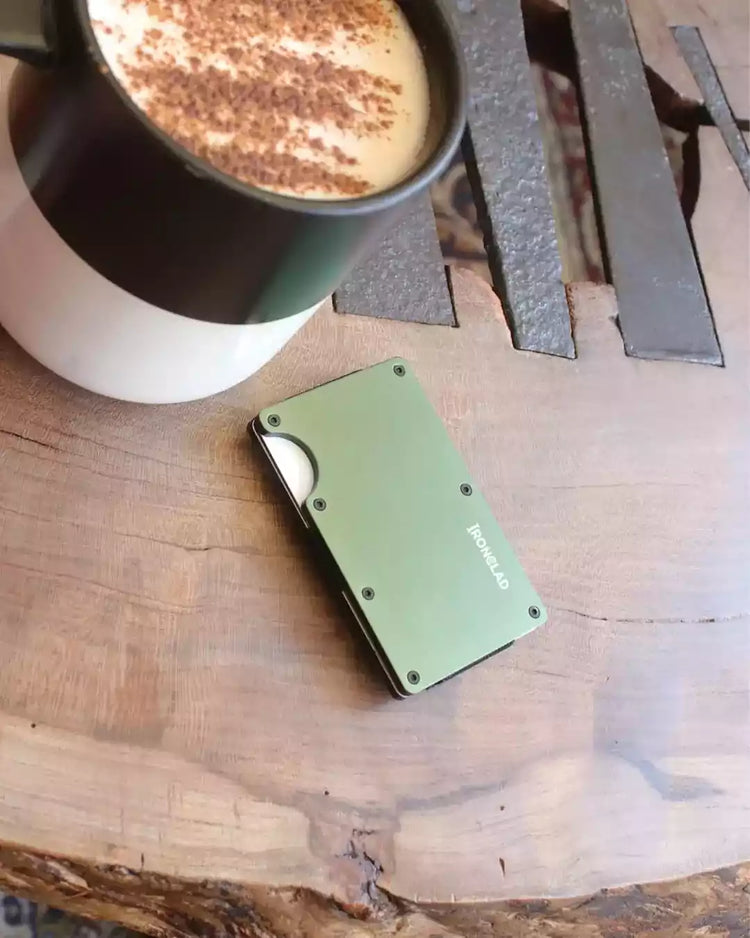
x,y
696,55
405,279
664,312
506,164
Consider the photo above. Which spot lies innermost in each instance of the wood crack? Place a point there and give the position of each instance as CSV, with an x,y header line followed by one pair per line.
x,y
130,480
246,551
735,617
369,869
121,452
145,601
30,439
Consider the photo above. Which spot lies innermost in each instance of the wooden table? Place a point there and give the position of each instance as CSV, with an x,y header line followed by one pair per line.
x,y
190,739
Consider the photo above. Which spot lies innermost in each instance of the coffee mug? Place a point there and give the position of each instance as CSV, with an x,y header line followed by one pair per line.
x,y
137,270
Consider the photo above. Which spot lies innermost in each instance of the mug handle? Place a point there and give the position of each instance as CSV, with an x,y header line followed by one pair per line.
x,y
27,30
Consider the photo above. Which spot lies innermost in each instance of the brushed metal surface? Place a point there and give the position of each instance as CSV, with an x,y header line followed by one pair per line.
x,y
663,308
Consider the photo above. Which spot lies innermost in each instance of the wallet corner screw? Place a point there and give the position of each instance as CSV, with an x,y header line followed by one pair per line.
x,y
413,677
466,489
368,593
320,504
399,371
274,420
535,612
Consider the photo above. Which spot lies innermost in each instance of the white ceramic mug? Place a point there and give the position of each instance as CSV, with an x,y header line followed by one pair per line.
x,y
135,269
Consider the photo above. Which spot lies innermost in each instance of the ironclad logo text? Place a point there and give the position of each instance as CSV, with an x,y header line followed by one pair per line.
x,y
475,532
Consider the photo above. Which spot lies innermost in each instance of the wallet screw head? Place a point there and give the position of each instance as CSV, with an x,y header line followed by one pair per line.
x,y
413,677
274,420
368,593
466,489
535,612
399,371
320,504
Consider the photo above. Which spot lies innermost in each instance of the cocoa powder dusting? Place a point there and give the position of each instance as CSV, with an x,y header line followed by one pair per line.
x,y
247,117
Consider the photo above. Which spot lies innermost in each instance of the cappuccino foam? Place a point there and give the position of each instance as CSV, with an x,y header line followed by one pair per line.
x,y
321,99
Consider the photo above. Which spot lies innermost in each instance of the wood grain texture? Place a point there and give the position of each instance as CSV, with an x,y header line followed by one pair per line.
x,y
180,693
181,701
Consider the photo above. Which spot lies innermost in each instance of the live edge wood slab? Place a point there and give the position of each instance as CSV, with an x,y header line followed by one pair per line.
x,y
183,708
191,740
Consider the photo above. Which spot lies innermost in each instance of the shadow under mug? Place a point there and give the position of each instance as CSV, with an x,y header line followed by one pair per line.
x,y
145,273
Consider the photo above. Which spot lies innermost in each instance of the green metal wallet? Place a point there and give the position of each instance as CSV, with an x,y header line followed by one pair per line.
x,y
410,540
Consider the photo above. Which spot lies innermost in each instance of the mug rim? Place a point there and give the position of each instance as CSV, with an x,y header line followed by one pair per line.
x,y
362,205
